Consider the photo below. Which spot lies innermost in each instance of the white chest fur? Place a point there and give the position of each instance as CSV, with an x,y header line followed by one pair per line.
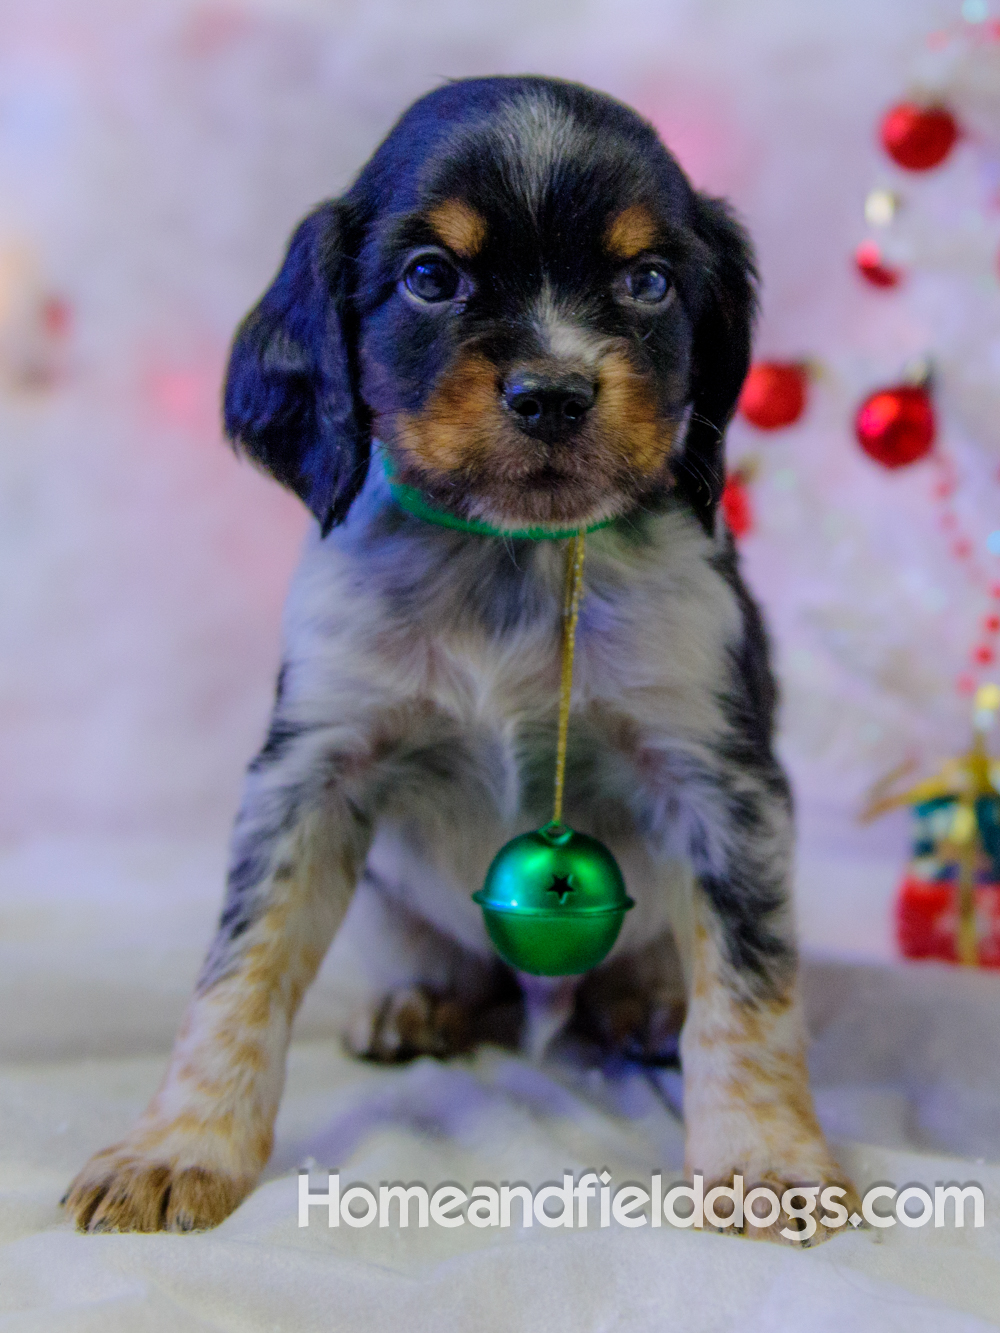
x,y
423,643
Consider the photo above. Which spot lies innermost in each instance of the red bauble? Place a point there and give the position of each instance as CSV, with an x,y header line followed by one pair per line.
x,y
918,137
736,507
868,259
774,394
896,426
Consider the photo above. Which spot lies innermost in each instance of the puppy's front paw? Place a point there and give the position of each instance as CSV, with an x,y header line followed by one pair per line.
x,y
802,1222
132,1187
781,1149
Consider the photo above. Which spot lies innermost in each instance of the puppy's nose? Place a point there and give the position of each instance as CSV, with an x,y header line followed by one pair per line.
x,y
550,408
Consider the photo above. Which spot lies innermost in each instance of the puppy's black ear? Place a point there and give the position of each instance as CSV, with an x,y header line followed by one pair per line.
x,y
720,355
291,402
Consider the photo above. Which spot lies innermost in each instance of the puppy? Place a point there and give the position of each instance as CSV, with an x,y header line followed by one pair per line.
x,y
522,311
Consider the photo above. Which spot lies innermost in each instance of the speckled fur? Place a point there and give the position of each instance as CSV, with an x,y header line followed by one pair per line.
x,y
415,720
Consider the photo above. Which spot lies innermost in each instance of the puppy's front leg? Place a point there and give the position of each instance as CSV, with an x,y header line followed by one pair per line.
x,y
748,1108
203,1140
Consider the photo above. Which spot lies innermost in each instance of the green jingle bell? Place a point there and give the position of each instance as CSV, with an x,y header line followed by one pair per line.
x,y
554,901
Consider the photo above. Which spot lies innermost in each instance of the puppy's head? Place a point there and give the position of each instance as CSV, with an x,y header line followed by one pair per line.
x,y
523,298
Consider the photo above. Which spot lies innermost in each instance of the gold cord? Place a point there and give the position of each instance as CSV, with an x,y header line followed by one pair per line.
x,y
571,614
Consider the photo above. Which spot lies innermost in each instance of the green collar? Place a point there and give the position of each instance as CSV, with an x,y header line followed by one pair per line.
x,y
416,503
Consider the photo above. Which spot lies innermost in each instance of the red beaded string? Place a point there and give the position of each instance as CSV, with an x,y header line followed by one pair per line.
x,y
984,575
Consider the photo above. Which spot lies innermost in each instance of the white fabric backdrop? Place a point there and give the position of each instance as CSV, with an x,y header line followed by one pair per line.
x,y
153,159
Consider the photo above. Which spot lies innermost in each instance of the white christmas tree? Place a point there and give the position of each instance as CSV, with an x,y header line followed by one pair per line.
x,y
887,581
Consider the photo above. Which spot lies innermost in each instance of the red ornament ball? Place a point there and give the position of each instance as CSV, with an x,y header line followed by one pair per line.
x,y
736,507
918,137
896,426
868,259
774,394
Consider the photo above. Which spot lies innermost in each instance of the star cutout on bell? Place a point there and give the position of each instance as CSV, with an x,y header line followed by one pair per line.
x,y
553,902
561,885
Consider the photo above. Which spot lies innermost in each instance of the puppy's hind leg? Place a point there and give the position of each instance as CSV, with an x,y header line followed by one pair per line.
x,y
200,1145
634,1006
428,994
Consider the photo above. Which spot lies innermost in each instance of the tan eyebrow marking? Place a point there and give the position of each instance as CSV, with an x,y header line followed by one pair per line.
x,y
459,226
631,232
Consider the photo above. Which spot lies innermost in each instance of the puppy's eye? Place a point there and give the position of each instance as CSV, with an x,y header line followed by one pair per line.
x,y
648,283
431,277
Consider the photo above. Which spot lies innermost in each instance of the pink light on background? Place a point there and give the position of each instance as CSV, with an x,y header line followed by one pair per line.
x,y
187,395
702,131
212,29
179,405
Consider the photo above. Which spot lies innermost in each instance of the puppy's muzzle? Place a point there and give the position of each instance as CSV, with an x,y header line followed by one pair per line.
x,y
546,407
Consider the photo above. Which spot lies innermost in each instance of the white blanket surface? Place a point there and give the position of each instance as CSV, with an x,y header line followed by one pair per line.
x,y
101,944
